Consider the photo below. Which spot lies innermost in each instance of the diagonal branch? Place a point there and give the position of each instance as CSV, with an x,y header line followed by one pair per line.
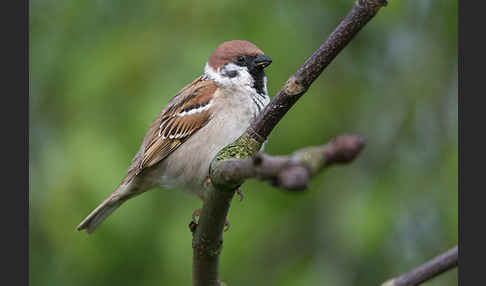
x,y
301,80
426,271
208,235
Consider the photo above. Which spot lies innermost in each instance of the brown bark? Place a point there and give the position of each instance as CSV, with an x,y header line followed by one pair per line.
x,y
208,235
426,271
289,172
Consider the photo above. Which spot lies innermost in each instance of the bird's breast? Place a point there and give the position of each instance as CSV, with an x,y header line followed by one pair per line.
x,y
188,166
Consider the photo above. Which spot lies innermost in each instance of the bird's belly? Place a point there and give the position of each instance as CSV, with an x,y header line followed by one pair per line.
x,y
188,166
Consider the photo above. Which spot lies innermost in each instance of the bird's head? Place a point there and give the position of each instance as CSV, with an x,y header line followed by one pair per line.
x,y
239,61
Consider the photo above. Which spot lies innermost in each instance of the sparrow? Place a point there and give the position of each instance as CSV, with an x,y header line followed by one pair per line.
x,y
209,113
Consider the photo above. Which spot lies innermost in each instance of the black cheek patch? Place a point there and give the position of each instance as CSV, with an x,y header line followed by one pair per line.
x,y
231,73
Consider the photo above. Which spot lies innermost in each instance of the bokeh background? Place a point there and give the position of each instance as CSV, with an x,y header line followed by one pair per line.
x,y
102,70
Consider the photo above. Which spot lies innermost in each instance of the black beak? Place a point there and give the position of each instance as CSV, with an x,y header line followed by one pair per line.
x,y
262,61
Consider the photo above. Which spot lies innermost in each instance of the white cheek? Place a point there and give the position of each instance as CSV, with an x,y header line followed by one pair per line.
x,y
242,80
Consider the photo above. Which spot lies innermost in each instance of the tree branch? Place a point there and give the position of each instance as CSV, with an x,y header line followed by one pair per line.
x,y
208,235
301,80
289,172
426,271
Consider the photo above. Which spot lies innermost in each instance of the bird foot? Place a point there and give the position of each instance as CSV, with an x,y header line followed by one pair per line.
x,y
240,193
193,223
195,214
226,225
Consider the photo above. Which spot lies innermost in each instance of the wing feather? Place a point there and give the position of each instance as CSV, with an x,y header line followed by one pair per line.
x,y
186,113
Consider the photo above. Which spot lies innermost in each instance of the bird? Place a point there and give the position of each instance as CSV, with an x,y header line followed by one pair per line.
x,y
203,117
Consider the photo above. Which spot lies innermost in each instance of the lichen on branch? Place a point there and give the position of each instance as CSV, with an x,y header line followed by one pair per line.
x,y
295,171
291,172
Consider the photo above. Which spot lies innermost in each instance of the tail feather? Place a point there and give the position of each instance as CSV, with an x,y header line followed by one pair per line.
x,y
101,212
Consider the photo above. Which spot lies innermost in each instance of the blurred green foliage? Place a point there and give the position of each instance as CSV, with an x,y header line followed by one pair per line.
x,y
102,70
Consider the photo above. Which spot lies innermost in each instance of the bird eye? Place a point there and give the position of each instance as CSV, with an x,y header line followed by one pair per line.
x,y
231,74
240,59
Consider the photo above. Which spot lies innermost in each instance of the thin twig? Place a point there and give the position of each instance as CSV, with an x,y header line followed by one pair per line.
x,y
208,235
426,271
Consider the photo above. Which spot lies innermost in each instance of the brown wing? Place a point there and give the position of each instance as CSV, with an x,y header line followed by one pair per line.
x,y
186,113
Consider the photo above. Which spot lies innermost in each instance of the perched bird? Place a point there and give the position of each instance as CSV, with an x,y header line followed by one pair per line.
x,y
203,117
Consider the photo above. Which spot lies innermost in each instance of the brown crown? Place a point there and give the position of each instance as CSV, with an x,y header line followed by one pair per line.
x,y
228,51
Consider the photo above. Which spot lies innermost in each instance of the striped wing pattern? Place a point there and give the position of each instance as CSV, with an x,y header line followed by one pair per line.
x,y
186,113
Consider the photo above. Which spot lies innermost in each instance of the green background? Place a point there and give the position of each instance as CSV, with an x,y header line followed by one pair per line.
x,y
102,70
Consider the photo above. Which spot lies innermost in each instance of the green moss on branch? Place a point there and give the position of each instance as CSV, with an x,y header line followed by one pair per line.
x,y
242,148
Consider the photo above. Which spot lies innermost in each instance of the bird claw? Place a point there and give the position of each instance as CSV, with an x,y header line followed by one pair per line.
x,y
240,193
195,214
207,183
226,225
193,223
192,226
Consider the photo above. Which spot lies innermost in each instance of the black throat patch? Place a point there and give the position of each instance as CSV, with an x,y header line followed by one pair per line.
x,y
256,72
258,75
